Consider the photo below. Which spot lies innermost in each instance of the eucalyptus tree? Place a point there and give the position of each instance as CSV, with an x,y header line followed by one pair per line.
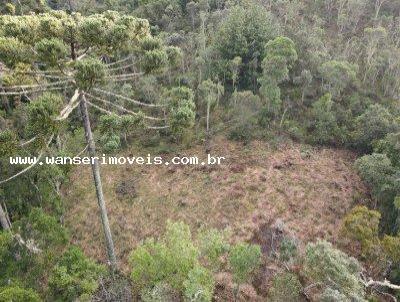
x,y
77,55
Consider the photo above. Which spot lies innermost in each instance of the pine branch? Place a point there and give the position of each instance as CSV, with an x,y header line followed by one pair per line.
x,y
28,142
24,92
120,61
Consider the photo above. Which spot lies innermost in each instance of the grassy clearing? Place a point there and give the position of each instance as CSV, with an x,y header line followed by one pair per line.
x,y
309,191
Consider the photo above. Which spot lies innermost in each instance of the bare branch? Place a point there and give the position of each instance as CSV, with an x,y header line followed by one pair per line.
x,y
109,112
126,98
384,283
28,142
120,61
122,67
35,86
122,108
9,93
72,104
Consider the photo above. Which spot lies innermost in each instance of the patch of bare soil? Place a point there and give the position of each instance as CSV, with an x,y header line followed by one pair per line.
x,y
309,192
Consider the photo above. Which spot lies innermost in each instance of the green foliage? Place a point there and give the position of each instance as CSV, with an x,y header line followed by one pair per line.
x,y
391,246
287,249
213,245
377,171
8,143
43,229
210,92
89,71
246,112
154,61
362,225
160,292
74,277
111,142
13,51
333,295
174,55
244,34
325,129
333,269
26,257
244,259
199,286
390,145
169,260
285,287
373,125
41,114
281,47
338,75
18,294
279,58
51,51
181,109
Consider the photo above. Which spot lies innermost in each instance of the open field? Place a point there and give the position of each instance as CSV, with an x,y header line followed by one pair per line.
x,y
308,189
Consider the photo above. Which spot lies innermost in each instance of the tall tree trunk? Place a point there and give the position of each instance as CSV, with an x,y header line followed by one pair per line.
x,y
97,181
4,219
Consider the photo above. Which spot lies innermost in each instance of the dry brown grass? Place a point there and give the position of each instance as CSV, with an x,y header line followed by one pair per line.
x,y
256,184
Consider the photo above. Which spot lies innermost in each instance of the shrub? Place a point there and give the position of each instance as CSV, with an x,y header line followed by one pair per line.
x,y
169,260
390,145
325,128
18,294
75,276
362,225
333,269
244,259
287,249
377,171
199,286
285,287
212,246
332,295
373,125
161,292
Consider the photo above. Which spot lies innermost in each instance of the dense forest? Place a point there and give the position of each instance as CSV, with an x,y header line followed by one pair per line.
x,y
301,96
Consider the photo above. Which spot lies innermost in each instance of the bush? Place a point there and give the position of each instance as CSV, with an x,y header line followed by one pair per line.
x,y
169,260
287,249
42,239
244,259
333,269
390,145
285,287
324,125
377,171
373,125
161,292
75,276
199,286
212,246
362,225
18,294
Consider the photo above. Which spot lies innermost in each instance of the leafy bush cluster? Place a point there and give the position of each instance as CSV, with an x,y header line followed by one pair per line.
x,y
176,263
